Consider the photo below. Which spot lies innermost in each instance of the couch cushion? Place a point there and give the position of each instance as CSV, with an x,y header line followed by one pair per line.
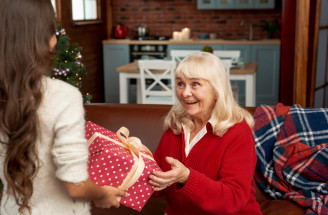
x,y
276,207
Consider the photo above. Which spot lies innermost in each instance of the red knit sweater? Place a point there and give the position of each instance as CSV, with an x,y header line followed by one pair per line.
x,y
221,173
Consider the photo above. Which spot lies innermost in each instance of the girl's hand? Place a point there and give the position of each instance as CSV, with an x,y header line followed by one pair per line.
x,y
112,197
178,174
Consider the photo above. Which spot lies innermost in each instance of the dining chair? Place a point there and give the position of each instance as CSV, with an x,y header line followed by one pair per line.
x,y
234,55
179,55
161,88
229,57
227,65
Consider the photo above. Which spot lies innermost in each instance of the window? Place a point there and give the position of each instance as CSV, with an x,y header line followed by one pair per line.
x,y
54,5
85,10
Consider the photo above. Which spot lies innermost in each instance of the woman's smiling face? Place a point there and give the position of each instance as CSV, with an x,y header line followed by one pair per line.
x,y
196,96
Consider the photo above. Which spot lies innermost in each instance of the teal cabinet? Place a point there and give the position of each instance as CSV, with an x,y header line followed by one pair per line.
x,y
206,4
245,4
114,56
216,4
225,4
235,4
254,4
264,4
267,74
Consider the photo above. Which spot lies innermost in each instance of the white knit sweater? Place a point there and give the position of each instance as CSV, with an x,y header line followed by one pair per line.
x,y
62,150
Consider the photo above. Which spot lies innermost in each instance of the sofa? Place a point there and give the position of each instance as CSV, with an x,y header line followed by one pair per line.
x,y
145,122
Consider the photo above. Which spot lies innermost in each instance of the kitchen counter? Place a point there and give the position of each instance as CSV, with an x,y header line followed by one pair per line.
x,y
194,42
248,68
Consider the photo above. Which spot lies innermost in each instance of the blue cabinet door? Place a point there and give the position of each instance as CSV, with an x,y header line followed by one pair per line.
x,y
226,4
264,4
235,4
267,73
216,4
206,4
114,56
245,4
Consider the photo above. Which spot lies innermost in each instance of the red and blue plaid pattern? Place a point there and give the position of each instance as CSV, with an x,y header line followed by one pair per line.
x,y
292,154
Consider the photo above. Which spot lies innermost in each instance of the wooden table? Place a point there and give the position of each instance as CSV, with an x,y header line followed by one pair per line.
x,y
247,73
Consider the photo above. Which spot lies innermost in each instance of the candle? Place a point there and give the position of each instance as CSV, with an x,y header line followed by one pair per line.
x,y
186,33
180,35
175,35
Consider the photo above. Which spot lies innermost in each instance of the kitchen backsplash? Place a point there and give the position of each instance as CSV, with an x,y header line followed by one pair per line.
x,y
165,16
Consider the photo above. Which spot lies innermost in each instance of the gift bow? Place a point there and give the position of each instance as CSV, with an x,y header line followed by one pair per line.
x,y
134,145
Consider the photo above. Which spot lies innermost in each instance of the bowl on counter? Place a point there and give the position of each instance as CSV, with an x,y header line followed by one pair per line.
x,y
203,36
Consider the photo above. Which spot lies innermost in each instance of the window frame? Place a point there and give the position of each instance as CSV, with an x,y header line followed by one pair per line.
x,y
87,21
58,10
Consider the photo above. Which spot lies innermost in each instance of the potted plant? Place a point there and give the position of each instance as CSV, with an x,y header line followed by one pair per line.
x,y
271,27
207,49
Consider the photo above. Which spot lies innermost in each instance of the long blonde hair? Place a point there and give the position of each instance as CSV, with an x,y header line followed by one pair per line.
x,y
226,111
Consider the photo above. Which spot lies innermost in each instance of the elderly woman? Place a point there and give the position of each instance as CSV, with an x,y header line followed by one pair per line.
x,y
207,152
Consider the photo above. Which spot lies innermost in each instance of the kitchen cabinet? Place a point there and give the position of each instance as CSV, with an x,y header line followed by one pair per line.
x,y
225,4
264,4
235,4
267,73
206,4
245,4
115,55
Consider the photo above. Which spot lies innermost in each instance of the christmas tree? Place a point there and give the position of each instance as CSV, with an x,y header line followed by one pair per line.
x,y
67,64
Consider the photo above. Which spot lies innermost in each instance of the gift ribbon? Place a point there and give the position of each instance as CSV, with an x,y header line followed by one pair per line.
x,y
133,144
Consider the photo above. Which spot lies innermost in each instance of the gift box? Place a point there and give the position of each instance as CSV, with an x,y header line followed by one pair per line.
x,y
117,160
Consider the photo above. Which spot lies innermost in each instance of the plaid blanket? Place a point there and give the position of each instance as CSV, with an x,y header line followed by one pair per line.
x,y
292,152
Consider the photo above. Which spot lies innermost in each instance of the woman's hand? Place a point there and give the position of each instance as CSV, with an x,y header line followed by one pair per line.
x,y
178,174
112,197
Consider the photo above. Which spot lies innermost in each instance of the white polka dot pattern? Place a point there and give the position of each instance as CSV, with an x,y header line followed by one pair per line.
x,y
109,164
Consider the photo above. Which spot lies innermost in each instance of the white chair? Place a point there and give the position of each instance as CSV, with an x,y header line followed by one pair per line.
x,y
161,89
227,65
234,55
228,57
179,55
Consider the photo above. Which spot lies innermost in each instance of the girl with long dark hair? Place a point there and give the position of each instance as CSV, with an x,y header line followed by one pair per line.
x,y
43,152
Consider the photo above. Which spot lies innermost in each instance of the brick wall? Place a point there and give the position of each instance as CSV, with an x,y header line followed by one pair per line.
x,y
165,16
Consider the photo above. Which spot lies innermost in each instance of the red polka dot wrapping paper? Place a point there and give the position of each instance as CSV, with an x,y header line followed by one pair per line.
x,y
110,164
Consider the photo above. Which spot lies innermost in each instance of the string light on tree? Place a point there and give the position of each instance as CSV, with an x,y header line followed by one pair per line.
x,y
67,65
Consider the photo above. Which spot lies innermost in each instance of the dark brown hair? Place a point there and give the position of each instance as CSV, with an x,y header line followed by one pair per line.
x,y
26,27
